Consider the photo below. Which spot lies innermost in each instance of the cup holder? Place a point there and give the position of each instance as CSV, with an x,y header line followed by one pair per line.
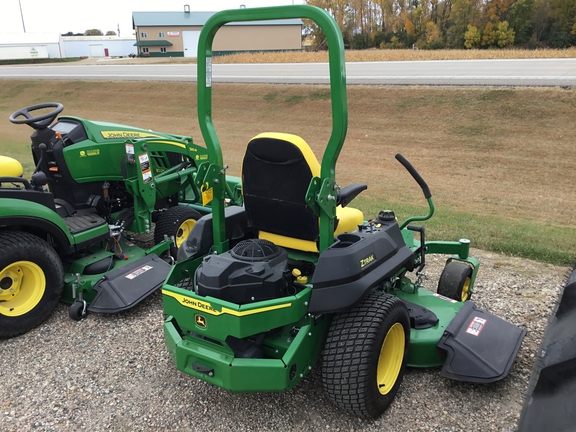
x,y
346,240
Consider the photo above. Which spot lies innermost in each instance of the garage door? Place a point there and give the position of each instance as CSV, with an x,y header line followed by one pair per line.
x,y
96,50
190,41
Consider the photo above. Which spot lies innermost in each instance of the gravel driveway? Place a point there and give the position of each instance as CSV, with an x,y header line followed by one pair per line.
x,y
114,373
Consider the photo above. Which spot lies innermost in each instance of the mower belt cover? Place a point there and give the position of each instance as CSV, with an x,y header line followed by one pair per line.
x,y
480,347
127,286
550,403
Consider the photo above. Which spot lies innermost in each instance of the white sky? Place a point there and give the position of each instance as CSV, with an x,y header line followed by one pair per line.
x,y
62,16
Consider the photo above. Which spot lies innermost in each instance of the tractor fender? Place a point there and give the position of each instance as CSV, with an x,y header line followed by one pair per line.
x,y
36,219
355,263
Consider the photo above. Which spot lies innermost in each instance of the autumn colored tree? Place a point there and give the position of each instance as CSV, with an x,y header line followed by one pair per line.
x,y
472,37
339,11
433,34
464,12
504,34
489,34
454,23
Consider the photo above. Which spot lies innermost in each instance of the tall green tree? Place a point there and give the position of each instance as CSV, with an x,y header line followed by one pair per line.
x,y
521,16
541,18
563,14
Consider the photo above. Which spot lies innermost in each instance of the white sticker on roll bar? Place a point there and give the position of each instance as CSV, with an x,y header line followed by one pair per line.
x,y
208,71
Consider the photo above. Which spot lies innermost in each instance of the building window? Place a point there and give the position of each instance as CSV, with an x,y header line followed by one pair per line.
x,y
161,34
144,34
162,49
144,50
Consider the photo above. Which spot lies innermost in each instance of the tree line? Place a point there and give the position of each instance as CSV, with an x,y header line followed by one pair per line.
x,y
91,32
436,24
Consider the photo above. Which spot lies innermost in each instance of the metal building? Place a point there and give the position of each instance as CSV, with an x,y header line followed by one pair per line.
x,y
99,46
175,34
15,46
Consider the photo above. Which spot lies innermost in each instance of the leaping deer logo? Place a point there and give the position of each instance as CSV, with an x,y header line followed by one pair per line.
x,y
200,321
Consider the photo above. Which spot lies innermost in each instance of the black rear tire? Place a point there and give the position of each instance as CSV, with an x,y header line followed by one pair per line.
x,y
175,222
31,282
365,355
454,281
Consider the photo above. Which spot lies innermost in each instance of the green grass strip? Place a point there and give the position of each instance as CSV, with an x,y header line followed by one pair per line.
x,y
526,238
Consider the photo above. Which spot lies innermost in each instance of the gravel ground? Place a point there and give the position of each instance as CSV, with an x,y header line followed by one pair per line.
x,y
114,373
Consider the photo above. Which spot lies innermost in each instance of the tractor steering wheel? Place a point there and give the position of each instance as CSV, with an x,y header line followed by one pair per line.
x,y
40,122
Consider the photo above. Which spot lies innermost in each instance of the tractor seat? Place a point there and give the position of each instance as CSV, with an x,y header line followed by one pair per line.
x,y
10,167
276,173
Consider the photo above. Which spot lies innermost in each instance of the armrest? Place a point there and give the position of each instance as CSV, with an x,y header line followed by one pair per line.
x,y
348,193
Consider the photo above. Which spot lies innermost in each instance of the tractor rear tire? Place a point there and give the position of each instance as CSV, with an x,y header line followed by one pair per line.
x,y
176,222
365,355
31,282
454,281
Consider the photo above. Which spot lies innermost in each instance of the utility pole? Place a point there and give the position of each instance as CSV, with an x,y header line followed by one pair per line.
x,y
22,16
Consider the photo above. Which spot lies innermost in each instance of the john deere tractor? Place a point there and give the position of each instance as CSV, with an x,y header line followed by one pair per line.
x,y
68,232
262,292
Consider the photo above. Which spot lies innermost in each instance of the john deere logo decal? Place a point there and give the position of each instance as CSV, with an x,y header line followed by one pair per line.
x,y
124,134
200,321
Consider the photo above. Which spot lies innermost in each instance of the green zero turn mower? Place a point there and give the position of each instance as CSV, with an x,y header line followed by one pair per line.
x,y
261,292
67,232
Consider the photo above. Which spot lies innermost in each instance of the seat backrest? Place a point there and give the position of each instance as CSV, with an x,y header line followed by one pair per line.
x,y
276,173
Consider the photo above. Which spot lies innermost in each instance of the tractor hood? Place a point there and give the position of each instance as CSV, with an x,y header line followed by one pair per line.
x,y
103,132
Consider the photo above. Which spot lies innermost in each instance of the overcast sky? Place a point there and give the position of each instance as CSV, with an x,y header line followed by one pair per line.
x,y
77,16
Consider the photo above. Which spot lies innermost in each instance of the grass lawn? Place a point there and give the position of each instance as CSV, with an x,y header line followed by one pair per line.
x,y
499,161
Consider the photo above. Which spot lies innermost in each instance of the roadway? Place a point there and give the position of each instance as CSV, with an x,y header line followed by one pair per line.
x,y
510,72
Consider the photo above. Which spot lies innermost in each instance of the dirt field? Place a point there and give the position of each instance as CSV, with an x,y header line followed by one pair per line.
x,y
496,155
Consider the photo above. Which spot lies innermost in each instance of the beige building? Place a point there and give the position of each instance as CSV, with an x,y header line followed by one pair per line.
x,y
175,34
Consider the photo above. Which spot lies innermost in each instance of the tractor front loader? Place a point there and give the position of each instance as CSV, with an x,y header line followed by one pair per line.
x,y
69,232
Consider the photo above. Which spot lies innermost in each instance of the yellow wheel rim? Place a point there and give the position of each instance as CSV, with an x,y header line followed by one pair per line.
x,y
22,285
466,290
390,359
183,230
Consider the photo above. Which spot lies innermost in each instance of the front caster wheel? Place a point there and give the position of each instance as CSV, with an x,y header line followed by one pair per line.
x,y
455,281
78,310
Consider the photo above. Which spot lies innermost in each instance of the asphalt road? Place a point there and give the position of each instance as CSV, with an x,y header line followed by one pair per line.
x,y
511,72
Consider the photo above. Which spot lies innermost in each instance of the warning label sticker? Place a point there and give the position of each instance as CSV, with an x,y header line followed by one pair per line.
x,y
138,272
476,326
440,296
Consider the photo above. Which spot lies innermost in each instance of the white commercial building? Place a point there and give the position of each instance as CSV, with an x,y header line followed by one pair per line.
x,y
15,46
99,46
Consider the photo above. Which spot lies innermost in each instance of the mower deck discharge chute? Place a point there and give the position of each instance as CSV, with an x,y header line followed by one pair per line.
x,y
68,233
261,292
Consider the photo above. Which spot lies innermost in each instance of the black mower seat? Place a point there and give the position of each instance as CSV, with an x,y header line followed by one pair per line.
x,y
276,173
